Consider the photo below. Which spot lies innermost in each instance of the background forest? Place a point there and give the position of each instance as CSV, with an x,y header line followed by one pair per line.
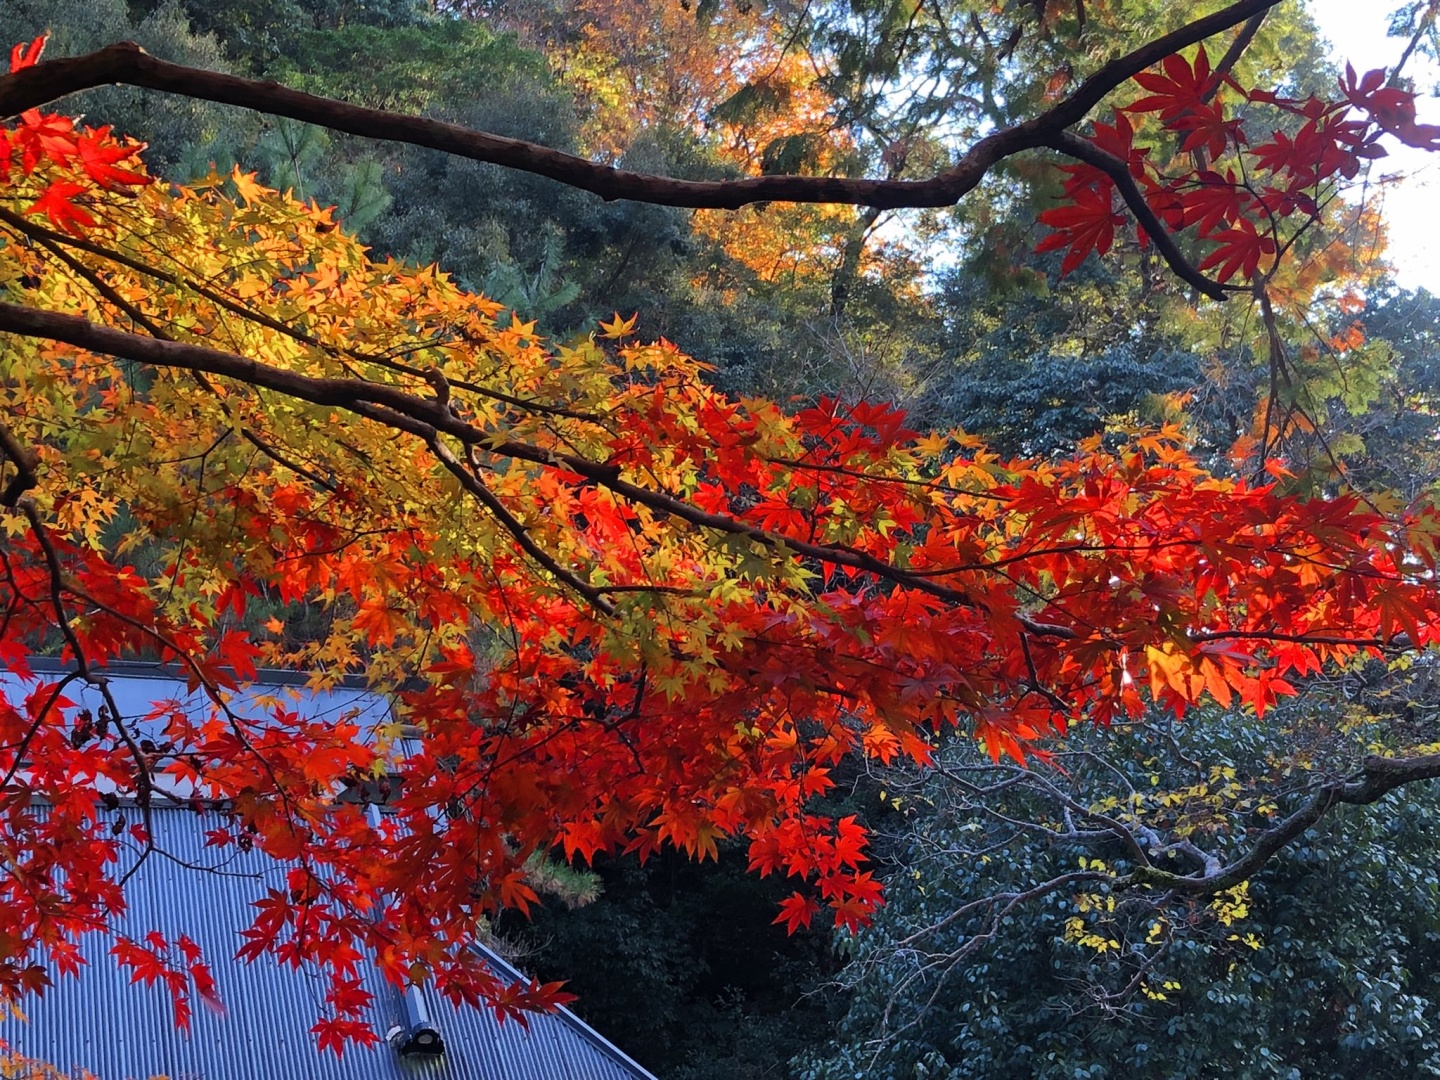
x,y
1328,962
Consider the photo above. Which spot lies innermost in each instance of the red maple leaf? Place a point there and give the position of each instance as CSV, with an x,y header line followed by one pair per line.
x,y
1390,107
1181,89
1184,97
23,56
1214,202
1118,140
43,135
57,203
796,910
1279,154
1087,224
1239,249
98,155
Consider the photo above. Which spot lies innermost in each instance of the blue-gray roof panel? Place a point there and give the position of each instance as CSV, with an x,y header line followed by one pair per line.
x,y
140,694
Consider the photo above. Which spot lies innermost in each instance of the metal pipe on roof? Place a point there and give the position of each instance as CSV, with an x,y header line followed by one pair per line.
x,y
417,1035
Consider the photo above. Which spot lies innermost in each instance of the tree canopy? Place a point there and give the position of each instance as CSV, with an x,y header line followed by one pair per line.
x,y
618,608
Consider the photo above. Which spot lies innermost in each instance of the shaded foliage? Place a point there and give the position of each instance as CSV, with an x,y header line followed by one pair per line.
x,y
1326,965
682,965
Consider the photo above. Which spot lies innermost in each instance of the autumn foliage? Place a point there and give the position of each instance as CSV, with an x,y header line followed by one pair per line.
x,y
1245,193
615,609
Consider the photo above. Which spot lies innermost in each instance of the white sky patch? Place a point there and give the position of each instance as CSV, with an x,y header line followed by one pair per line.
x,y
1356,31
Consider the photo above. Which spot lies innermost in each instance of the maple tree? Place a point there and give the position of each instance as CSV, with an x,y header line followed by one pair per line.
x,y
619,609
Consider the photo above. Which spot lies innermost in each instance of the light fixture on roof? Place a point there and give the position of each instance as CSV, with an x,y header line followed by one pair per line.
x,y
424,1040
417,1035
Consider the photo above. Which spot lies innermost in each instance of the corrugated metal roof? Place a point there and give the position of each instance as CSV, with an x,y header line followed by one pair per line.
x,y
119,1031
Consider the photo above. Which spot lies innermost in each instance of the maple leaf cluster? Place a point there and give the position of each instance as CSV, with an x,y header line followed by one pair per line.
x,y
1244,198
89,155
614,609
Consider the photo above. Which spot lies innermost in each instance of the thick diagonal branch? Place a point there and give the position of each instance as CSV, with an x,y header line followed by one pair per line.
x,y
128,64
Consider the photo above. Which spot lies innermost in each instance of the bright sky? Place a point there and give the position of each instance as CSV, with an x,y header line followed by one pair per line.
x,y
1356,30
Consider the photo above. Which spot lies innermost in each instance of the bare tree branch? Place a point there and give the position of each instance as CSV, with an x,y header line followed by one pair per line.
x,y
1232,55
1378,777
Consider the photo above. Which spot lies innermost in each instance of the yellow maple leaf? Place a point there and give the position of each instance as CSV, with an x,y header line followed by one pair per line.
x,y
619,327
247,187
